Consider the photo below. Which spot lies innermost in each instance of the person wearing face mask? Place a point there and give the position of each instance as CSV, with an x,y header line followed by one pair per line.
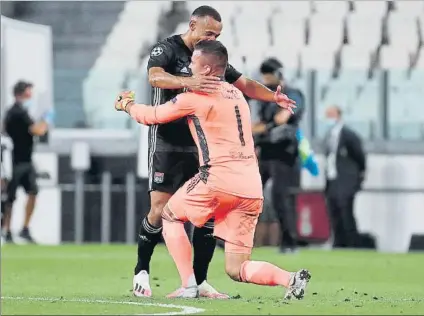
x,y
21,128
275,138
345,171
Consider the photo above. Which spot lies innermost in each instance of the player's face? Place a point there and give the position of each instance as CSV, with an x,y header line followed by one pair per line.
x,y
205,29
199,65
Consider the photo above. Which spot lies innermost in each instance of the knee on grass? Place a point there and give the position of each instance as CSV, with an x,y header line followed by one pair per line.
x,y
233,271
234,264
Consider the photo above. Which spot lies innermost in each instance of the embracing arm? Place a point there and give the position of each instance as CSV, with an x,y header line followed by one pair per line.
x,y
161,56
254,89
249,87
159,78
177,108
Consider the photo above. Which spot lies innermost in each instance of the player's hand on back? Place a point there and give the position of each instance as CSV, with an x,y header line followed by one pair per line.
x,y
284,101
206,84
124,99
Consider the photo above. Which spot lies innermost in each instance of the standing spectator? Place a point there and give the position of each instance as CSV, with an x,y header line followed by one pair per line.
x,y
22,129
345,170
275,135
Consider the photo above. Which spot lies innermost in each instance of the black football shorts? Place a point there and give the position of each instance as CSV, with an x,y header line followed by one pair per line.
x,y
168,171
24,175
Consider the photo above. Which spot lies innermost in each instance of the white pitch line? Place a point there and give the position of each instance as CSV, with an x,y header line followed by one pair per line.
x,y
184,310
67,256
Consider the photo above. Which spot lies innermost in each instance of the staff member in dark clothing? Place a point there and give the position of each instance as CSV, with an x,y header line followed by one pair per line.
x,y
345,171
172,152
4,180
3,196
275,134
22,129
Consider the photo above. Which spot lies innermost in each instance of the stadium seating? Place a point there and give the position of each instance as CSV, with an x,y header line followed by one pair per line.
x,y
373,9
410,8
347,43
355,38
77,36
137,25
400,24
394,57
297,9
364,36
364,31
335,8
420,61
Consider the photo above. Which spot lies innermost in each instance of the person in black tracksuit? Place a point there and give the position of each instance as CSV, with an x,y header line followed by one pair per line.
x,y
275,134
172,152
21,128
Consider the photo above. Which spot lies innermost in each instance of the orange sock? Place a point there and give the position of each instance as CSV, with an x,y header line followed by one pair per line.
x,y
263,273
180,249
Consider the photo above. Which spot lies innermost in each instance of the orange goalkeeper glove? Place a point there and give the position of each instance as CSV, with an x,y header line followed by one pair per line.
x,y
124,99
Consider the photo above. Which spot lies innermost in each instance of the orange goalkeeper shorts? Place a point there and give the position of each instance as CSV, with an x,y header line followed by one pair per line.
x,y
235,217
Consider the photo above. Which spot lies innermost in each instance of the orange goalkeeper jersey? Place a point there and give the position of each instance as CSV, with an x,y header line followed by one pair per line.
x,y
220,124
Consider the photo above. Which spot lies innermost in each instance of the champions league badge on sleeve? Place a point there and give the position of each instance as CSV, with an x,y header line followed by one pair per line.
x,y
157,51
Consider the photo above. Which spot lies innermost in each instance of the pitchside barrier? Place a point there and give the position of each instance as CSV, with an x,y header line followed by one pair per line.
x,y
106,203
387,219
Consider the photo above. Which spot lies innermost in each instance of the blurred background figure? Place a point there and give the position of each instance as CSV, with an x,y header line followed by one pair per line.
x,y
21,128
6,146
268,228
170,19
275,134
345,171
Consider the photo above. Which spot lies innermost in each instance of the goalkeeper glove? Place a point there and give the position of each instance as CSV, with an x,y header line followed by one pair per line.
x,y
124,99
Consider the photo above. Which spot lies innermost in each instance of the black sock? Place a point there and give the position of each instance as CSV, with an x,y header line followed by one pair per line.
x,y
147,240
204,245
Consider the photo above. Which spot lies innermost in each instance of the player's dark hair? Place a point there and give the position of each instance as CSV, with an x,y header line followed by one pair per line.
x,y
20,87
215,49
270,65
206,10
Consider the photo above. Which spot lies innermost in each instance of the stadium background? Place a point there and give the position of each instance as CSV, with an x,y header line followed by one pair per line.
x,y
365,56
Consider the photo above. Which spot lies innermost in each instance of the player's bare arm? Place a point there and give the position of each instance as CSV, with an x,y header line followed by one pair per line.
x,y
255,90
159,78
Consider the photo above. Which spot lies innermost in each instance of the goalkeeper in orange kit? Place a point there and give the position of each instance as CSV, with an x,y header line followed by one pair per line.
x,y
228,186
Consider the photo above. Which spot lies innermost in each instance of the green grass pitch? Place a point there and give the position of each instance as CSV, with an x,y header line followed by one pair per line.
x,y
96,279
